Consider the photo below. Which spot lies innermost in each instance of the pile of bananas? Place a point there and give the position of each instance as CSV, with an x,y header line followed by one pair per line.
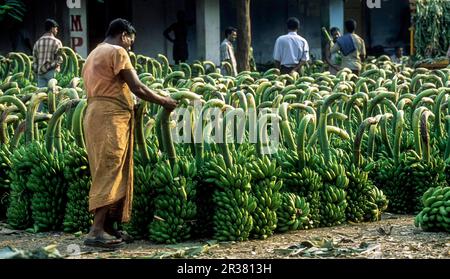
x,y
175,209
266,190
5,167
293,213
143,195
363,197
19,210
408,180
306,183
233,201
430,174
69,68
380,200
78,179
49,188
15,63
333,195
435,216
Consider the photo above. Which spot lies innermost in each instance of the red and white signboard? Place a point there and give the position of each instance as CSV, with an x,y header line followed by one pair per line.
x,y
78,26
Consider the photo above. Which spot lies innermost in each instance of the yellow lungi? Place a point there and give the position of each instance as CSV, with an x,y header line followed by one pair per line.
x,y
108,132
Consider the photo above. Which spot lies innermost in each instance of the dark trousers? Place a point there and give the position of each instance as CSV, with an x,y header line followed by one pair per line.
x,y
286,70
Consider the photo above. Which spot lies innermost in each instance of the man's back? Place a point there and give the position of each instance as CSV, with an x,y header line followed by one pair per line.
x,y
101,70
45,54
353,59
290,49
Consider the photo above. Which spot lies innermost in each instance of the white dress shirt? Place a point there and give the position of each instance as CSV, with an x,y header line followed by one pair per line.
x,y
291,49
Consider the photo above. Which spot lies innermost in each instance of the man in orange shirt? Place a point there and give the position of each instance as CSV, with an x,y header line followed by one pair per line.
x,y
109,79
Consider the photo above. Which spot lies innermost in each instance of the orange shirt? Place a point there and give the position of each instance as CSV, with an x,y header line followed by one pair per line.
x,y
101,74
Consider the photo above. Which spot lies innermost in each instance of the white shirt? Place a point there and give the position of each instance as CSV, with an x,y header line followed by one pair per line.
x,y
227,53
290,49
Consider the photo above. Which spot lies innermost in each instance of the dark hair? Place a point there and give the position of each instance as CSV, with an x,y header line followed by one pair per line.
x,y
229,30
398,47
118,26
350,25
49,24
293,23
334,30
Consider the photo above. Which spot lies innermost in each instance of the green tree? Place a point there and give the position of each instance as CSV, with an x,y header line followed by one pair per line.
x,y
12,8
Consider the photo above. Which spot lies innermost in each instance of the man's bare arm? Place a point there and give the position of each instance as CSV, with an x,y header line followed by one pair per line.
x,y
299,65
143,92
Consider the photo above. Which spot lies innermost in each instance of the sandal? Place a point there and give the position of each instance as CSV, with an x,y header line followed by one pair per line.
x,y
124,236
103,242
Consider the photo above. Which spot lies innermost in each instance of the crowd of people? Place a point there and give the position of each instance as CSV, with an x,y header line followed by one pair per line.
x,y
290,52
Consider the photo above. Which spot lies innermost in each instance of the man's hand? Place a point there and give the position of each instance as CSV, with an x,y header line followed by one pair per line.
x,y
170,104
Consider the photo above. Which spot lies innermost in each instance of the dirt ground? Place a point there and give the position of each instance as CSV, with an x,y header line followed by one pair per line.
x,y
393,237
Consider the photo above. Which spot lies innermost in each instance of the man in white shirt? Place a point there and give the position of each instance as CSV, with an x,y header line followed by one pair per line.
x,y
227,50
291,51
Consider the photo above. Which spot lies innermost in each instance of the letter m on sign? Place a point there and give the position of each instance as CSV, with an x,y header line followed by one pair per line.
x,y
76,23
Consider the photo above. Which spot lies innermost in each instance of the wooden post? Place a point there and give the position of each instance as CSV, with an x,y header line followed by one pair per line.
x,y
244,38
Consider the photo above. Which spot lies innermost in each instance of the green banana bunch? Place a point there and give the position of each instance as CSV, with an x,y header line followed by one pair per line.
x,y
5,167
365,201
19,209
78,179
380,199
333,195
143,192
266,190
233,201
175,208
406,182
293,213
435,215
49,188
38,189
306,183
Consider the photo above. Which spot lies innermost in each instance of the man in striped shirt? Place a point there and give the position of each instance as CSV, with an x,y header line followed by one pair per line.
x,y
46,59
291,50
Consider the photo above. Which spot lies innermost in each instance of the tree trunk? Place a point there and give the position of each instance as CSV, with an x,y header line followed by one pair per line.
x,y
244,37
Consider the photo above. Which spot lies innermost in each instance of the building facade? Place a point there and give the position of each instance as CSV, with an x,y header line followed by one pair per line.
x,y
382,23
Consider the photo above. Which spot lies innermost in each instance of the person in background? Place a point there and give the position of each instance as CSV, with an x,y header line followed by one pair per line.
x,y
180,31
291,51
227,50
47,60
333,60
397,57
109,79
352,48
